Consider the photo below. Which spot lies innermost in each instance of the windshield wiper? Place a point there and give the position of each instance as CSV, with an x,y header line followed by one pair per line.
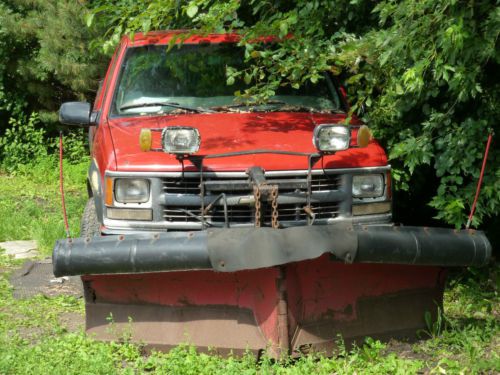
x,y
166,104
255,104
300,108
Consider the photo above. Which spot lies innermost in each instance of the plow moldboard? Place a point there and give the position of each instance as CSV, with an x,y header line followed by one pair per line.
x,y
295,308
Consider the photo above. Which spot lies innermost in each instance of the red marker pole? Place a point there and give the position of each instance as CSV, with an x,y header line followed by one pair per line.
x,y
479,183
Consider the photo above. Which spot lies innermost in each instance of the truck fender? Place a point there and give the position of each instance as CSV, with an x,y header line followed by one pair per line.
x,y
94,180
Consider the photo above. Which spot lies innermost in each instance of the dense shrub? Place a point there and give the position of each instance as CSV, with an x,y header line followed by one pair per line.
x,y
25,142
22,142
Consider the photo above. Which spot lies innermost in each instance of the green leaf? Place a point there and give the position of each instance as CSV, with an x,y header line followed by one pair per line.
x,y
89,18
146,25
283,29
192,10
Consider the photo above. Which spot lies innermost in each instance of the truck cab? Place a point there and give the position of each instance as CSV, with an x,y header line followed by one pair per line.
x,y
181,94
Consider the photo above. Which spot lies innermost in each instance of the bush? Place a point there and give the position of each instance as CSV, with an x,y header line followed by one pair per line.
x,y
22,142
75,146
26,143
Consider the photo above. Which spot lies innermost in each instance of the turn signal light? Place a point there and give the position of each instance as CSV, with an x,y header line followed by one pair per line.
x,y
364,136
108,192
145,140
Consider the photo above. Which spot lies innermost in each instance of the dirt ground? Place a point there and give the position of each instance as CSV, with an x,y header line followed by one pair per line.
x,y
36,277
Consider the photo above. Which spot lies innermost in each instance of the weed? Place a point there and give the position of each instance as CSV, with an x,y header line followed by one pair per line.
x,y
31,202
434,327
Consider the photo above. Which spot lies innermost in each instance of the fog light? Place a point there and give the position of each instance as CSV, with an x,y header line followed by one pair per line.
x,y
330,138
129,214
371,208
180,140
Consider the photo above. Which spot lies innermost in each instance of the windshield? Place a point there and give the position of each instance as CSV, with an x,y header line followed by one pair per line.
x,y
154,80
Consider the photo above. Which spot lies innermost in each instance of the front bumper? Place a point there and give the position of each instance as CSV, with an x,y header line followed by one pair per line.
x,y
235,249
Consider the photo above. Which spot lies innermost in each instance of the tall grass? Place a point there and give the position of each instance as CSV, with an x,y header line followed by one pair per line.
x,y
30,201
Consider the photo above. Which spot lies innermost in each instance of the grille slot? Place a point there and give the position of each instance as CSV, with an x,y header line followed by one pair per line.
x,y
181,186
244,214
191,185
180,214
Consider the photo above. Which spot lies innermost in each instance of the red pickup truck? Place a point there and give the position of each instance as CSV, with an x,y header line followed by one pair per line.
x,y
243,225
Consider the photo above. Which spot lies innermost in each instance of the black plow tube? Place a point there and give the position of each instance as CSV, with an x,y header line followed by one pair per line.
x,y
229,250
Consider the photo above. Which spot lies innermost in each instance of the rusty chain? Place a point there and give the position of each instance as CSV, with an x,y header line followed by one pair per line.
x,y
273,197
256,194
274,204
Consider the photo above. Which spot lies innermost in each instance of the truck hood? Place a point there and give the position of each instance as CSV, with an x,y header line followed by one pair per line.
x,y
232,132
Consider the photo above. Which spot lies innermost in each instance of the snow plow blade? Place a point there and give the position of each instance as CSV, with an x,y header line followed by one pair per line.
x,y
229,250
258,289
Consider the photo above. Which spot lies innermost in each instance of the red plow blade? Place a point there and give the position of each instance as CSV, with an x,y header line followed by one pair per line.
x,y
290,309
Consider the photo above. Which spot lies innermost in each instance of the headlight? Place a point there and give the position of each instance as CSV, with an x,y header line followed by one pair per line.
x,y
180,140
130,190
368,185
329,138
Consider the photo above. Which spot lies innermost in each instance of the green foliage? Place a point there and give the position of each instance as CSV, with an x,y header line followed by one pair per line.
x,y
25,145
434,327
22,142
427,71
45,59
75,146
44,49
432,82
30,200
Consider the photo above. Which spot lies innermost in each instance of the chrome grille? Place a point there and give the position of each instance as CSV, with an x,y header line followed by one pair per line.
x,y
191,185
245,214
290,187
182,214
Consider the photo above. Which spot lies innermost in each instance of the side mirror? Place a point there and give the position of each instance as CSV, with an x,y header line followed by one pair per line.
x,y
75,113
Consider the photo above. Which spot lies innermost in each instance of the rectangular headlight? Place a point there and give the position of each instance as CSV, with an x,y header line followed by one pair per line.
x,y
330,138
131,190
368,186
180,140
